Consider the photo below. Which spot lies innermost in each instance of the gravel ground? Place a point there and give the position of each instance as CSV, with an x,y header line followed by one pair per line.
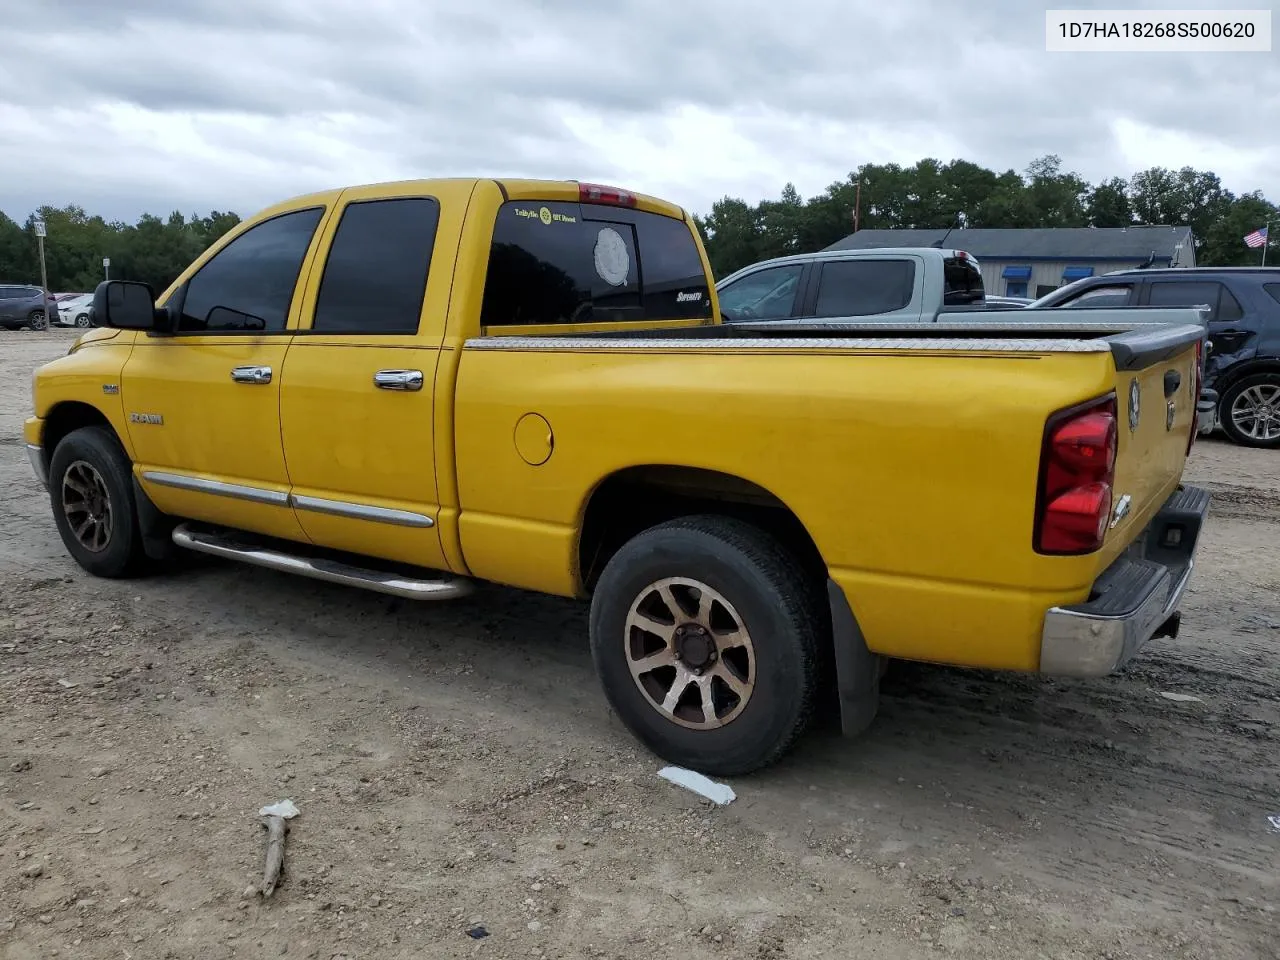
x,y
456,765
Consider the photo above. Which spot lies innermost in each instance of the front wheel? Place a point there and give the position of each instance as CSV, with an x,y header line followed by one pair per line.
x,y
36,320
706,640
1250,411
82,320
91,489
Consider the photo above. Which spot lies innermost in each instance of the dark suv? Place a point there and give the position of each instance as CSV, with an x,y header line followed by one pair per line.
x,y
1243,365
23,306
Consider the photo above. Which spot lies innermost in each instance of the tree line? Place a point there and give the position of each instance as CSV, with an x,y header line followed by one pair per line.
x,y
929,194
935,195
152,250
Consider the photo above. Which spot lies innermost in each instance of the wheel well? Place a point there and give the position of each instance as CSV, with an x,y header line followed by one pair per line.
x,y
1234,375
66,417
634,499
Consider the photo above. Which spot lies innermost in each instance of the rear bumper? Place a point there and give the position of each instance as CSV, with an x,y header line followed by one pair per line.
x,y
1135,599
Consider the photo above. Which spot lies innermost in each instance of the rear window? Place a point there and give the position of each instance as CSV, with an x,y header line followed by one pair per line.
x,y
588,263
864,288
963,282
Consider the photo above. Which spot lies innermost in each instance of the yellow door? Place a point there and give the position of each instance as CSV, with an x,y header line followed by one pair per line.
x,y
203,401
357,401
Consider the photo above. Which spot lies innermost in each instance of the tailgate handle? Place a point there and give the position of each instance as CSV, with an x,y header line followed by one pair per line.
x,y
1172,380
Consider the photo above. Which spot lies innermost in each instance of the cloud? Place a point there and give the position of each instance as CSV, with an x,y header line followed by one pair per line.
x,y
151,105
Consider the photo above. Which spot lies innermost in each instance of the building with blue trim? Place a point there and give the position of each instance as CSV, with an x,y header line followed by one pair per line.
x,y
1034,262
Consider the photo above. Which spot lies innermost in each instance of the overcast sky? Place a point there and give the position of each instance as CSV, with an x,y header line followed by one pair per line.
x,y
126,106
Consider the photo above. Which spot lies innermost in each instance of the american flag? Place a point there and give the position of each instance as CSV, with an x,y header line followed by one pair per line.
x,y
1257,238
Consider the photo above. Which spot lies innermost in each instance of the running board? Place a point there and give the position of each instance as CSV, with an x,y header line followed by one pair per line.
x,y
240,547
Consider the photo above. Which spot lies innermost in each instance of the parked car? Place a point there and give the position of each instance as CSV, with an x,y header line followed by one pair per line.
x,y
22,305
544,398
907,285
76,311
1243,358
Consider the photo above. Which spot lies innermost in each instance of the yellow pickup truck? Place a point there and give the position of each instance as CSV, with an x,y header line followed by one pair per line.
x,y
410,387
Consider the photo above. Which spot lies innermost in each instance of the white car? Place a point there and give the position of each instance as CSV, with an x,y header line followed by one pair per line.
x,y
74,311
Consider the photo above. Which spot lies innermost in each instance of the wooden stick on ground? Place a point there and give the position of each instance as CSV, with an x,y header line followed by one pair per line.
x,y
273,818
276,830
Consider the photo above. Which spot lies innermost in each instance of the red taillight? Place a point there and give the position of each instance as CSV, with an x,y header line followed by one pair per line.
x,y
1195,395
1077,471
612,196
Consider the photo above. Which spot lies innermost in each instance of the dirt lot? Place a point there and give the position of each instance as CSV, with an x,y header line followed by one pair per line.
x,y
456,764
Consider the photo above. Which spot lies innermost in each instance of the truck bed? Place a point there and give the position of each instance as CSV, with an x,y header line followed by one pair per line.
x,y
1136,338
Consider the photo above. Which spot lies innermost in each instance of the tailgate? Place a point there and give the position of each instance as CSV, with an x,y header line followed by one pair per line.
x,y
1157,386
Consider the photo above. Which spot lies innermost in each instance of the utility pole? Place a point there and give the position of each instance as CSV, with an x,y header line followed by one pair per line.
x,y
44,273
857,204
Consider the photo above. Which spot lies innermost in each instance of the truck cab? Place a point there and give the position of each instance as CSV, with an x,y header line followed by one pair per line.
x,y
907,285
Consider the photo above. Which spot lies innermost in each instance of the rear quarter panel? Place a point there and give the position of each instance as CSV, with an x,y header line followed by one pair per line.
x,y
915,473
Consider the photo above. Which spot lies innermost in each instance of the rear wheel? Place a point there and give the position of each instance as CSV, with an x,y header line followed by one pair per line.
x,y
706,640
35,319
92,494
1250,411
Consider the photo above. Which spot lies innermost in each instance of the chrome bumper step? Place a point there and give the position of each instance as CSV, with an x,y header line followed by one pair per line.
x,y
233,545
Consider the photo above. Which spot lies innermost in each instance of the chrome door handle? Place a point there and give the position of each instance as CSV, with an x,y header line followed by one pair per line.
x,y
398,379
251,374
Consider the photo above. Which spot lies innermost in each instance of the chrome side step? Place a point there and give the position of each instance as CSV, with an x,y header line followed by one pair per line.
x,y
242,548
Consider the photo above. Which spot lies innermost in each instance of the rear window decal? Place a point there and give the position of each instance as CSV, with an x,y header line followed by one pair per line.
x,y
613,262
545,215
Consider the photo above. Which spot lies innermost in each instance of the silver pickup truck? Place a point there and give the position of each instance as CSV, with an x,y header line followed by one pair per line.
x,y
893,287
906,285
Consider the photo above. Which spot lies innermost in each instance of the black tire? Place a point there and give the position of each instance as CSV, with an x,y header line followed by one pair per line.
x,y
35,319
82,320
773,598
1270,389
98,450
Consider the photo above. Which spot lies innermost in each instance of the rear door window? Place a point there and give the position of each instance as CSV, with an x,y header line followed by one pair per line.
x,y
1183,293
376,273
1273,289
864,288
553,263
768,294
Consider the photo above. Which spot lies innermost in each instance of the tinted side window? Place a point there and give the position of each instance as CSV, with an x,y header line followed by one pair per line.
x,y
1273,289
583,263
248,285
376,272
863,288
1175,293
1116,295
764,295
1229,307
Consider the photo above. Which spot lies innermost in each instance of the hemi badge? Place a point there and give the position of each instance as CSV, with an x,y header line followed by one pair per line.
x,y
146,418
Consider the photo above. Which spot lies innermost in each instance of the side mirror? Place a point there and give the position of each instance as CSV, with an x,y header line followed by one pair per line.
x,y
125,305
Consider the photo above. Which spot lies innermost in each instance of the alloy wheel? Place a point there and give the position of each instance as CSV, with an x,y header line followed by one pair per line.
x,y
87,505
690,653
1256,412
